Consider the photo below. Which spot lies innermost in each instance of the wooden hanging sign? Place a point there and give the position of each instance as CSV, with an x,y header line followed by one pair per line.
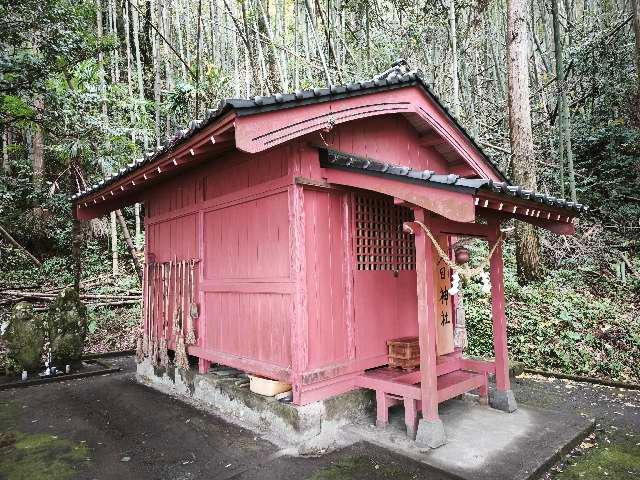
x,y
443,303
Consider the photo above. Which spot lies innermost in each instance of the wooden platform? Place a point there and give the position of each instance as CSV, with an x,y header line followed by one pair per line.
x,y
456,375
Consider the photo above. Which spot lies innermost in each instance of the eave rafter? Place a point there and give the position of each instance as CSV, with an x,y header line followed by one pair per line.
x,y
553,219
219,137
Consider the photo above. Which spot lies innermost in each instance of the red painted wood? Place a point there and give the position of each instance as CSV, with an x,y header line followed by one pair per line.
x,y
383,402
458,382
326,278
299,306
478,366
397,141
498,316
374,383
411,408
426,319
450,204
257,133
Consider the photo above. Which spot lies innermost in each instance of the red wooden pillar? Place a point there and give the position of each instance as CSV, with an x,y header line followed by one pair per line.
x,y
430,428
502,398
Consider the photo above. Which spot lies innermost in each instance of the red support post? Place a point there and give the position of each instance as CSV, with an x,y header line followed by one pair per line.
x,y
430,429
203,365
503,398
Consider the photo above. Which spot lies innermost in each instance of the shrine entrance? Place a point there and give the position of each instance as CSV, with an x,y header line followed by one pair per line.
x,y
443,371
399,273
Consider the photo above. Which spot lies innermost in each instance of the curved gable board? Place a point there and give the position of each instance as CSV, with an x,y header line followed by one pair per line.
x,y
260,131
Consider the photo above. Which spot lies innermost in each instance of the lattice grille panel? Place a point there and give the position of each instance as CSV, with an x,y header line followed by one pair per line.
x,y
379,242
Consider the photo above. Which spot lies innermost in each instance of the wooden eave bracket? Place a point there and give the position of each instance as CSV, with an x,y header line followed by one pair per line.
x,y
544,216
431,139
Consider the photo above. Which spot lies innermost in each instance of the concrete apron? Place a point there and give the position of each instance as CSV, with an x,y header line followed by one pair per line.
x,y
487,444
300,430
482,443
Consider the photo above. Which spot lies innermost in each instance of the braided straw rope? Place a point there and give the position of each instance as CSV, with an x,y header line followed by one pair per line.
x,y
463,271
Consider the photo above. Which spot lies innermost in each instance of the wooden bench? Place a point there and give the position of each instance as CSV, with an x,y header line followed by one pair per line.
x,y
393,386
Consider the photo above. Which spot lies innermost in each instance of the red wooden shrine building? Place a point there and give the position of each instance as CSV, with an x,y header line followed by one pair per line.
x,y
293,207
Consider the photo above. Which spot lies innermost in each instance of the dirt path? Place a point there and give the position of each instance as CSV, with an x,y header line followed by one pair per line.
x,y
129,431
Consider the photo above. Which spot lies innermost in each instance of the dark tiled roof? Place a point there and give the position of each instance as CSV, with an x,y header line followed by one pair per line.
x,y
333,159
398,76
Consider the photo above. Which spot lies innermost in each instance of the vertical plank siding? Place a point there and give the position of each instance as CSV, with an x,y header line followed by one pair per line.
x,y
326,278
220,214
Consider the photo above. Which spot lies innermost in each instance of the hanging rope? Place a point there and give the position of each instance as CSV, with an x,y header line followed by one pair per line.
x,y
462,270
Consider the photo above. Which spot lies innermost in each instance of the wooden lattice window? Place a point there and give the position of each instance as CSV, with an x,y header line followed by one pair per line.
x,y
379,242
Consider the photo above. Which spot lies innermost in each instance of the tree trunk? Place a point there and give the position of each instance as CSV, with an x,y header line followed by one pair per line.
x,y
564,127
454,59
198,48
101,58
113,30
635,6
317,42
157,69
178,26
15,243
523,161
6,159
76,252
127,33
37,148
129,242
276,73
138,227
560,96
114,244
165,28
139,71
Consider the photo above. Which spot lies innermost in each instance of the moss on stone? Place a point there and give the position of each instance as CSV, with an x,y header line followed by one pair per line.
x,y
350,404
619,460
36,456
67,326
24,338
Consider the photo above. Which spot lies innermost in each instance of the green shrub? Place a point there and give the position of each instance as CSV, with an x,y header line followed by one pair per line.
x,y
559,324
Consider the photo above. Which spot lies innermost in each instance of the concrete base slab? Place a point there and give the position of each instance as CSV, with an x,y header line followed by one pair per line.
x,y
484,443
309,429
430,434
503,400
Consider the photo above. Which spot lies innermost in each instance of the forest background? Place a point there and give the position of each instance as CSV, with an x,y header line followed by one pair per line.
x,y
86,86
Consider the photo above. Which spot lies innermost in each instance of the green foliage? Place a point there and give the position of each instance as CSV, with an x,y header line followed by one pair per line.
x,y
559,324
42,38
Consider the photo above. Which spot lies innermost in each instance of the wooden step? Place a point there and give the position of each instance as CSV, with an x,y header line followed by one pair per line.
x,y
456,383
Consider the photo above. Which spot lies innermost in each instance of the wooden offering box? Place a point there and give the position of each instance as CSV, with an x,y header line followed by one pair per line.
x,y
404,353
